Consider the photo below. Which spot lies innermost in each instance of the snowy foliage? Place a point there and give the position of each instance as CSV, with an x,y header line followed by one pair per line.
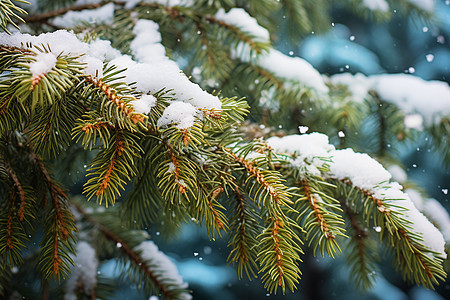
x,y
363,172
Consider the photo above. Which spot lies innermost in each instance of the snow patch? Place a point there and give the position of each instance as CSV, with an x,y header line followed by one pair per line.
x,y
180,113
144,104
380,5
240,18
103,14
44,63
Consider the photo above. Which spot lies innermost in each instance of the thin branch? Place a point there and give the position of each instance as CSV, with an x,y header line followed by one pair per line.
x,y
55,194
256,173
117,153
313,204
216,215
20,190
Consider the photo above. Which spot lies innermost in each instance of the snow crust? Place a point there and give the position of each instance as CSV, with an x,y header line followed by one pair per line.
x,y
380,5
180,113
44,63
413,95
240,18
103,14
158,260
308,152
292,68
144,104
84,271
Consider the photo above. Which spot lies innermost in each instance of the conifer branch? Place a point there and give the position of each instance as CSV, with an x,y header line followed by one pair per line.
x,y
360,254
416,263
8,12
112,167
218,216
59,238
258,175
117,99
244,229
313,203
20,192
51,14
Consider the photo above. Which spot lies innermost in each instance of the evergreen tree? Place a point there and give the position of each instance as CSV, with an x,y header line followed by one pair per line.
x,y
94,94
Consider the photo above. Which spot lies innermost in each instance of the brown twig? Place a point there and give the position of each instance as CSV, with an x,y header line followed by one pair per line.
x,y
313,203
256,173
20,190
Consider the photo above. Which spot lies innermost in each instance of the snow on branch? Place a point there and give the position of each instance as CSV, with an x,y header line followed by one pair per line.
x,y
415,96
290,68
312,151
153,73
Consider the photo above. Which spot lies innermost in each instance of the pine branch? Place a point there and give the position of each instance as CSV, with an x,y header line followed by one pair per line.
x,y
244,230
58,241
112,167
9,12
361,251
18,213
416,263
278,247
116,101
323,223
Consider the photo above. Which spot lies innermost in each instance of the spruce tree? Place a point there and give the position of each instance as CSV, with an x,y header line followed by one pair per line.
x,y
172,112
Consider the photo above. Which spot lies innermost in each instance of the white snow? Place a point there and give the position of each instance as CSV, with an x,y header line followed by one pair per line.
x,y
172,167
162,265
414,121
438,215
44,63
398,201
380,5
303,129
146,46
94,67
427,5
62,41
240,18
358,84
292,68
84,271
362,170
413,95
103,14
311,151
144,104
180,113
284,66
